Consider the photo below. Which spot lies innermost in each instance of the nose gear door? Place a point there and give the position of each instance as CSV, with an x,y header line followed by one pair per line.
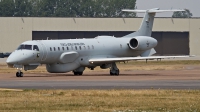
x,y
44,52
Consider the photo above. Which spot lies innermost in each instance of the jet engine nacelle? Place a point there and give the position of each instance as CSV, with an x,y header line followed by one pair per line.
x,y
142,43
62,68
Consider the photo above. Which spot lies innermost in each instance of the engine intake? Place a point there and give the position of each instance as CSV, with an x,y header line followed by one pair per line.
x,y
133,43
142,43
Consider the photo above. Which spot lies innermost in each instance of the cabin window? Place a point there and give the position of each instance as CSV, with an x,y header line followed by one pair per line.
x,y
50,49
75,47
67,48
58,48
80,47
54,49
63,48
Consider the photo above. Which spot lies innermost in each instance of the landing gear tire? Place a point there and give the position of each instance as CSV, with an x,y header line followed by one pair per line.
x,y
19,74
78,73
114,70
116,73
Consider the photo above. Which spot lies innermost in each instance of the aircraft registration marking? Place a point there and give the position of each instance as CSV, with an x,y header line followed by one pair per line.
x,y
72,44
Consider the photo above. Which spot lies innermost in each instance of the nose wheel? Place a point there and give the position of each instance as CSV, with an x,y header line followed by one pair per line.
x,y
19,74
19,69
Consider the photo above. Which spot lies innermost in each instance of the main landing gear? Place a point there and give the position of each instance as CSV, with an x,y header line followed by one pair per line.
x,y
79,71
114,70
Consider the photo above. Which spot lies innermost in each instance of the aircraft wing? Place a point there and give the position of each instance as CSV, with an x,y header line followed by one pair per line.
x,y
108,60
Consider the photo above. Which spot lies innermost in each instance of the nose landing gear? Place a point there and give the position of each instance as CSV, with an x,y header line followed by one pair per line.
x,y
19,74
19,69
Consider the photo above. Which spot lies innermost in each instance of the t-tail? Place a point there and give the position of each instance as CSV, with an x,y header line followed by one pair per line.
x,y
147,23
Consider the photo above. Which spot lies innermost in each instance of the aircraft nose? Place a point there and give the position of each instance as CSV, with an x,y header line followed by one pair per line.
x,y
19,57
14,58
11,60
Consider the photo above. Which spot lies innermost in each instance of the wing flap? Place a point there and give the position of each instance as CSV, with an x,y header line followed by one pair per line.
x,y
108,60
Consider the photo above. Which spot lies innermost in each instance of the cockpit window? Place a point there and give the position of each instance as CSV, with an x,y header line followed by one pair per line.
x,y
20,47
35,48
27,47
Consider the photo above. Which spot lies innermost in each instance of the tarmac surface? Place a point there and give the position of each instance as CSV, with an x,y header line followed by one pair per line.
x,y
188,78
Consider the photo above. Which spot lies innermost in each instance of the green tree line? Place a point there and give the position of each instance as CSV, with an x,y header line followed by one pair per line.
x,y
66,8
183,14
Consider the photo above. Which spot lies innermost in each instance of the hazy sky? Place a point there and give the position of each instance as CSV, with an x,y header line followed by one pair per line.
x,y
192,5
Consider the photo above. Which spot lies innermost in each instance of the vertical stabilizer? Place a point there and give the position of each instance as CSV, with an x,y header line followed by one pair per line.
x,y
146,26
147,22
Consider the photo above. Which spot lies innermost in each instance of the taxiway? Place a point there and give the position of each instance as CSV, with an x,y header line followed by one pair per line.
x,y
187,78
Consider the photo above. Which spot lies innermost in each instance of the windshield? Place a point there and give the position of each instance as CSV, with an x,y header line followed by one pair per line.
x,y
27,47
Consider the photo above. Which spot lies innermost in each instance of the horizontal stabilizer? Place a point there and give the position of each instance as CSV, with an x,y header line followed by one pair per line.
x,y
155,10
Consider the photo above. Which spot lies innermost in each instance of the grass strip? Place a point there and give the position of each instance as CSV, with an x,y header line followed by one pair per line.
x,y
100,100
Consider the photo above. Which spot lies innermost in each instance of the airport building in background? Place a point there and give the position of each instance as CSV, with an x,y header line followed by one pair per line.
x,y
175,36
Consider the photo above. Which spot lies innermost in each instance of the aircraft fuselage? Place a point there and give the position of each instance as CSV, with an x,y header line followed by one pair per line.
x,y
69,54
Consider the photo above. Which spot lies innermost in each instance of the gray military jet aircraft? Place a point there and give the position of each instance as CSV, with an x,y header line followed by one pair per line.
x,y
61,56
